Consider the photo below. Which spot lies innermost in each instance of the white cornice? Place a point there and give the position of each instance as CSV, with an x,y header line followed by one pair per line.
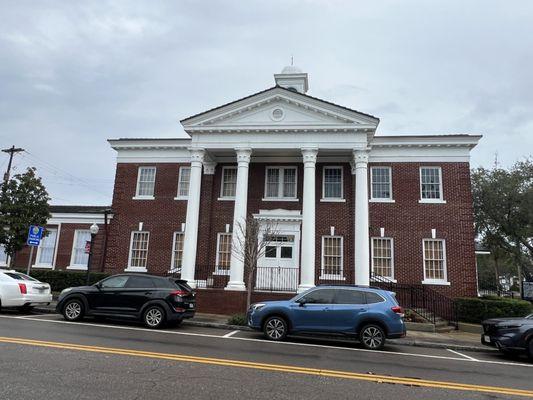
x,y
78,218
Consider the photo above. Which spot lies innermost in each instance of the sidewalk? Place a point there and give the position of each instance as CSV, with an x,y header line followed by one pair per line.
x,y
455,340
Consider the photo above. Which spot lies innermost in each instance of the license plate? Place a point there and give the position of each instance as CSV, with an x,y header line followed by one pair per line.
x,y
191,305
486,338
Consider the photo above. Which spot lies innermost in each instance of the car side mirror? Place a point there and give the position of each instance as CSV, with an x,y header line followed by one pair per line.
x,y
301,303
98,286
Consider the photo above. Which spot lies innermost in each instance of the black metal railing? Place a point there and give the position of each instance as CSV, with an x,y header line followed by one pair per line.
x,y
491,287
420,299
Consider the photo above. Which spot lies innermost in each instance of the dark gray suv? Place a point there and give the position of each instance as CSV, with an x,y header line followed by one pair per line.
x,y
509,335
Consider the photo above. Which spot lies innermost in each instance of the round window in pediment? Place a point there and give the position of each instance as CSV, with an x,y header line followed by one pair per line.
x,y
277,114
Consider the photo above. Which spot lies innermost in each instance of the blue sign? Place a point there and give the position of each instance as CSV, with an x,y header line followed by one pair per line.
x,y
34,235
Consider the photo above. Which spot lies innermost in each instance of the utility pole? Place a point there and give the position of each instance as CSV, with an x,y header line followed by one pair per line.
x,y
12,150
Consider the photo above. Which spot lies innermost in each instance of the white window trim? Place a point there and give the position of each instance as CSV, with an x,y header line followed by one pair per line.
x,y
341,272
332,199
53,264
381,199
71,265
389,278
221,271
144,197
443,282
280,183
172,269
222,197
137,269
440,200
178,197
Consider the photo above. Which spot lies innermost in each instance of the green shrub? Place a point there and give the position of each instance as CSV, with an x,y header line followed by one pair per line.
x,y
60,280
476,310
237,319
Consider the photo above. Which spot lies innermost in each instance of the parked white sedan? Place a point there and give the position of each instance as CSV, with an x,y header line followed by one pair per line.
x,y
22,291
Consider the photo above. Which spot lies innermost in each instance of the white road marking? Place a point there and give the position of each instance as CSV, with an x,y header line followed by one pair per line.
x,y
464,355
33,316
267,342
230,334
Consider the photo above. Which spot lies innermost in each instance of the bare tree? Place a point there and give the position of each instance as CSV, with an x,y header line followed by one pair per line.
x,y
251,239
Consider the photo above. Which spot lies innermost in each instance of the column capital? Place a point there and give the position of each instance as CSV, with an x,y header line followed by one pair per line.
x,y
360,157
197,154
243,154
209,167
309,154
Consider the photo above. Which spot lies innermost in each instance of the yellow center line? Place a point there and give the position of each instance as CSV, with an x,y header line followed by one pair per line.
x,y
272,367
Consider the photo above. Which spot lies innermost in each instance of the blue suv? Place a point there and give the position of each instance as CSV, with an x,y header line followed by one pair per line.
x,y
370,314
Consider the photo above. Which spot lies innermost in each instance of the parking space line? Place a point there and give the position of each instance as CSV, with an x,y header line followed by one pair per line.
x,y
271,342
464,355
230,334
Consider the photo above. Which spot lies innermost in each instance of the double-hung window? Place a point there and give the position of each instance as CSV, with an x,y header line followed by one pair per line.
x,y
79,257
3,256
139,250
184,179
332,183
381,183
46,250
223,253
177,251
145,183
229,182
332,257
280,183
383,258
434,261
431,184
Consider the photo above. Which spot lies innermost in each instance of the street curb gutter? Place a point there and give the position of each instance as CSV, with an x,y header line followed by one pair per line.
x,y
398,342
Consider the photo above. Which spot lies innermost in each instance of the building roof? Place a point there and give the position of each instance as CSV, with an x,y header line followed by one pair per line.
x,y
282,88
79,209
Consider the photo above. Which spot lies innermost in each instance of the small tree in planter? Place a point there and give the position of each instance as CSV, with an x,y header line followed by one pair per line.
x,y
252,238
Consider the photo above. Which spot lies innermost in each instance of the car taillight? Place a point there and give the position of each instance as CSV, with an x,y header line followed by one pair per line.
x,y
179,293
398,310
22,287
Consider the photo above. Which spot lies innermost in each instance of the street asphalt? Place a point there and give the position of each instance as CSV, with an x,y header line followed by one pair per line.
x,y
45,357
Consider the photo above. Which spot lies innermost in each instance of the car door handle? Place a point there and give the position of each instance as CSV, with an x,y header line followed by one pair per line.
x,y
147,292
362,309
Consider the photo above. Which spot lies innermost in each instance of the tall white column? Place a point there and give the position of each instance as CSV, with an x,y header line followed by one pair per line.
x,y
362,257
236,273
307,269
191,223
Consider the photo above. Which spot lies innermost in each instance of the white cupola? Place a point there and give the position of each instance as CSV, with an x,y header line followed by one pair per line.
x,y
292,78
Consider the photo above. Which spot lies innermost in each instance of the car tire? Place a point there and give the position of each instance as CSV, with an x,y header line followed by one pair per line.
x,y
275,328
154,317
73,310
372,337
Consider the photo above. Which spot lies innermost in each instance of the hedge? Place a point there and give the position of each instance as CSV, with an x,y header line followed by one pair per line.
x,y
476,310
60,280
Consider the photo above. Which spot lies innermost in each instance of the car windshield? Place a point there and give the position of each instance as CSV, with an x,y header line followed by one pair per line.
x,y
20,277
530,316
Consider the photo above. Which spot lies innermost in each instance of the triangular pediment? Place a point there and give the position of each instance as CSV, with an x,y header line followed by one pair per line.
x,y
279,108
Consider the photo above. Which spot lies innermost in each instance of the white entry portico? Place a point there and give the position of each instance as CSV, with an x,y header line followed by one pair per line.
x,y
282,124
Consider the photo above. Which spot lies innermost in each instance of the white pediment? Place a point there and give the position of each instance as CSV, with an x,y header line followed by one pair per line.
x,y
279,108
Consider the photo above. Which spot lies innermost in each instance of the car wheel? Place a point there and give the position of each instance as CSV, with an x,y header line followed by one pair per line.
x,y
275,328
154,317
73,310
372,337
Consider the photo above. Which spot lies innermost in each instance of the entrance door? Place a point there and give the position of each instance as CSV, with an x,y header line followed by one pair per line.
x,y
278,269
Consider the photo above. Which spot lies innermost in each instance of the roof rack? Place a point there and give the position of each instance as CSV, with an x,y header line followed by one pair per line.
x,y
350,285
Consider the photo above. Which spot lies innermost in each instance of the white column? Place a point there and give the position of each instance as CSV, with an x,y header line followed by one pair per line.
x,y
307,268
236,273
362,257
191,223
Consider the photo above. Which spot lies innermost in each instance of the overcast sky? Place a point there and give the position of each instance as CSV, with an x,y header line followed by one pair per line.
x,y
75,73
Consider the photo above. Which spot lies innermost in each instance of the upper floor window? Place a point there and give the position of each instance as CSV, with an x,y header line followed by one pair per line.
x,y
183,182
434,260
46,250
139,250
145,182
332,183
382,257
177,251
430,184
229,182
381,183
280,183
332,256
79,257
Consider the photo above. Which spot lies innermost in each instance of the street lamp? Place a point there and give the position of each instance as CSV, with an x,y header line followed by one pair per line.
x,y
94,231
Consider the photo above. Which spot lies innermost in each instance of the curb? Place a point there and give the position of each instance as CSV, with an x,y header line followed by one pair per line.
x,y
398,342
